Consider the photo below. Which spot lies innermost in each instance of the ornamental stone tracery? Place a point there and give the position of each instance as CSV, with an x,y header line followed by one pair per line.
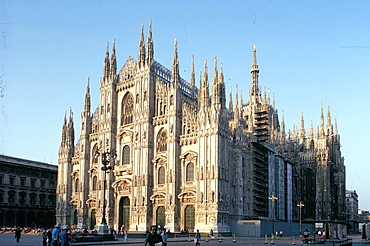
x,y
182,149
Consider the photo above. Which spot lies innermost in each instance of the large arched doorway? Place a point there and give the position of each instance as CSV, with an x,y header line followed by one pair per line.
x,y
189,218
92,219
124,212
161,218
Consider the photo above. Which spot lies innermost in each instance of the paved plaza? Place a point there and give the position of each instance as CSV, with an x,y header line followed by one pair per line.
x,y
35,240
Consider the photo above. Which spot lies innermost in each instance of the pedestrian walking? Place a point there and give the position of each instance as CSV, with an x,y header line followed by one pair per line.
x,y
55,235
18,234
45,237
197,238
49,236
64,240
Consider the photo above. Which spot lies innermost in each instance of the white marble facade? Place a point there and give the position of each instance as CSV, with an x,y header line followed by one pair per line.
x,y
185,159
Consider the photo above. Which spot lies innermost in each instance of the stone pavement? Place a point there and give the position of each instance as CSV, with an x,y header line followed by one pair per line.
x,y
36,240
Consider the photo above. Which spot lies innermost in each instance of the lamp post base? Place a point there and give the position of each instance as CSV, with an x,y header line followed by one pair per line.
x,y
102,229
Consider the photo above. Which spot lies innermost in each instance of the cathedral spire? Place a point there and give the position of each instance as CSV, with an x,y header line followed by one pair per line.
x,y
87,105
329,125
70,129
175,66
64,128
236,109
231,99
312,129
222,87
254,91
106,62
302,131
215,88
113,60
283,123
150,46
141,55
322,126
192,77
204,90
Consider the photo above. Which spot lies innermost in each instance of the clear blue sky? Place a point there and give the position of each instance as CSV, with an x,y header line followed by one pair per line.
x,y
309,52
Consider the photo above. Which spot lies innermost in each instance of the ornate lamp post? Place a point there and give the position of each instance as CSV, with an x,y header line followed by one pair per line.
x,y
107,157
273,198
300,205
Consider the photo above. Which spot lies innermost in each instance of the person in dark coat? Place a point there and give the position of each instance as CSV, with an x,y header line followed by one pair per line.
x,y
18,234
153,237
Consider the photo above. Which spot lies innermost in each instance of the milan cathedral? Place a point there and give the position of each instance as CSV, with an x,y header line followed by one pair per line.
x,y
180,157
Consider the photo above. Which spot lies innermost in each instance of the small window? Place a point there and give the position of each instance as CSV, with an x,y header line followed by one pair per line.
x,y
11,197
42,200
126,155
77,181
22,198
94,183
33,182
161,175
32,199
11,180
23,181
42,184
190,172
51,201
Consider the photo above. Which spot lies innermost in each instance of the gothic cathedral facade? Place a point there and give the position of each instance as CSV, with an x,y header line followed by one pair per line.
x,y
184,159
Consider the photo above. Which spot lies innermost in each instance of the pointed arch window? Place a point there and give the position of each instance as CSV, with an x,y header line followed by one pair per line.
x,y
94,183
127,111
190,172
126,155
161,175
95,157
76,185
162,141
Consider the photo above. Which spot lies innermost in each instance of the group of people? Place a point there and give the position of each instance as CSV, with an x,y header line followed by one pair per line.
x,y
59,237
154,237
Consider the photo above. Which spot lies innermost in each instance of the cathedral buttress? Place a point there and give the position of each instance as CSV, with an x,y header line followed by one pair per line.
x,y
84,163
173,167
66,153
107,130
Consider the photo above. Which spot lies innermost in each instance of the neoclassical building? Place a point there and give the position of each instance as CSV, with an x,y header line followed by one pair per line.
x,y
27,192
186,159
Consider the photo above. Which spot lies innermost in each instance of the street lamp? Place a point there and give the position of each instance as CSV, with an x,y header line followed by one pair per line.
x,y
273,198
107,157
300,205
